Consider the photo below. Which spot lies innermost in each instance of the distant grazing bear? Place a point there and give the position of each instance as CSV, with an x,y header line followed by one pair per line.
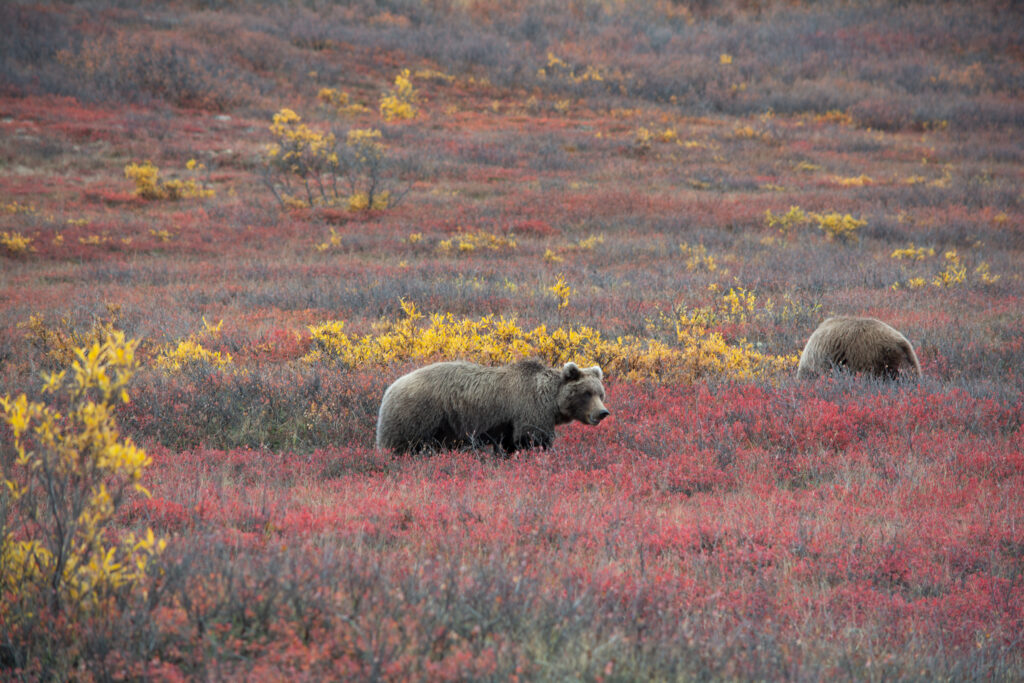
x,y
447,405
859,345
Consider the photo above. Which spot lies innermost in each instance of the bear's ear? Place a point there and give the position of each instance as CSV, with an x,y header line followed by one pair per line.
x,y
570,372
596,370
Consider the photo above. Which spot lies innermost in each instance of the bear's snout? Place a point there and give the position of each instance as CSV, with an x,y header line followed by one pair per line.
x,y
599,415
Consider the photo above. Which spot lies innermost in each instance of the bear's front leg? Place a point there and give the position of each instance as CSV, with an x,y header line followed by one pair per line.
x,y
533,437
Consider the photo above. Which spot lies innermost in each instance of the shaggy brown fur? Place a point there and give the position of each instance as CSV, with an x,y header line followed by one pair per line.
x,y
453,404
858,345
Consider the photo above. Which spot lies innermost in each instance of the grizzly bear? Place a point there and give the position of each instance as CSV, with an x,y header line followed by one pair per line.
x,y
858,345
457,403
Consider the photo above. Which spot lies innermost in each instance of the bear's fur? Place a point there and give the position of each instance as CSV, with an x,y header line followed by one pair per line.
x,y
858,345
457,403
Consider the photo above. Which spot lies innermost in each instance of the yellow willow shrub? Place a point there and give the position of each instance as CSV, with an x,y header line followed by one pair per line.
x,y
63,475
337,102
709,355
953,274
985,275
29,209
855,181
15,242
146,177
589,243
59,342
332,242
697,258
739,305
190,352
557,69
835,225
494,340
176,357
398,102
839,226
785,222
471,241
562,290
642,138
913,253
299,151
552,257
305,167
796,309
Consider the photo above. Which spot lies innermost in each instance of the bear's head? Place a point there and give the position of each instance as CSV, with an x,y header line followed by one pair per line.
x,y
581,394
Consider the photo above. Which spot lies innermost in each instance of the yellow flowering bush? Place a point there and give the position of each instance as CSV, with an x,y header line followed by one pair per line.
x,y
399,102
148,185
19,208
835,225
59,343
190,352
561,290
64,472
985,275
337,102
493,340
331,242
785,222
913,253
954,273
552,257
15,242
366,163
556,68
836,116
466,242
305,168
855,181
839,226
300,152
145,177
737,306
740,304
697,258
796,309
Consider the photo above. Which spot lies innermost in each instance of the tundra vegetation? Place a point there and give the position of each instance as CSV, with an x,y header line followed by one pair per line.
x,y
226,227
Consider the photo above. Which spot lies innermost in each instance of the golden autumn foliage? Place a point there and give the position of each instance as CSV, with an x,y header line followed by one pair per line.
x,y
496,339
148,185
913,253
305,167
67,471
15,243
480,239
835,225
176,357
59,342
399,102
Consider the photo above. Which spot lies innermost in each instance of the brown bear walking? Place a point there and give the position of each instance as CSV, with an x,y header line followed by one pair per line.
x,y
859,345
452,404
